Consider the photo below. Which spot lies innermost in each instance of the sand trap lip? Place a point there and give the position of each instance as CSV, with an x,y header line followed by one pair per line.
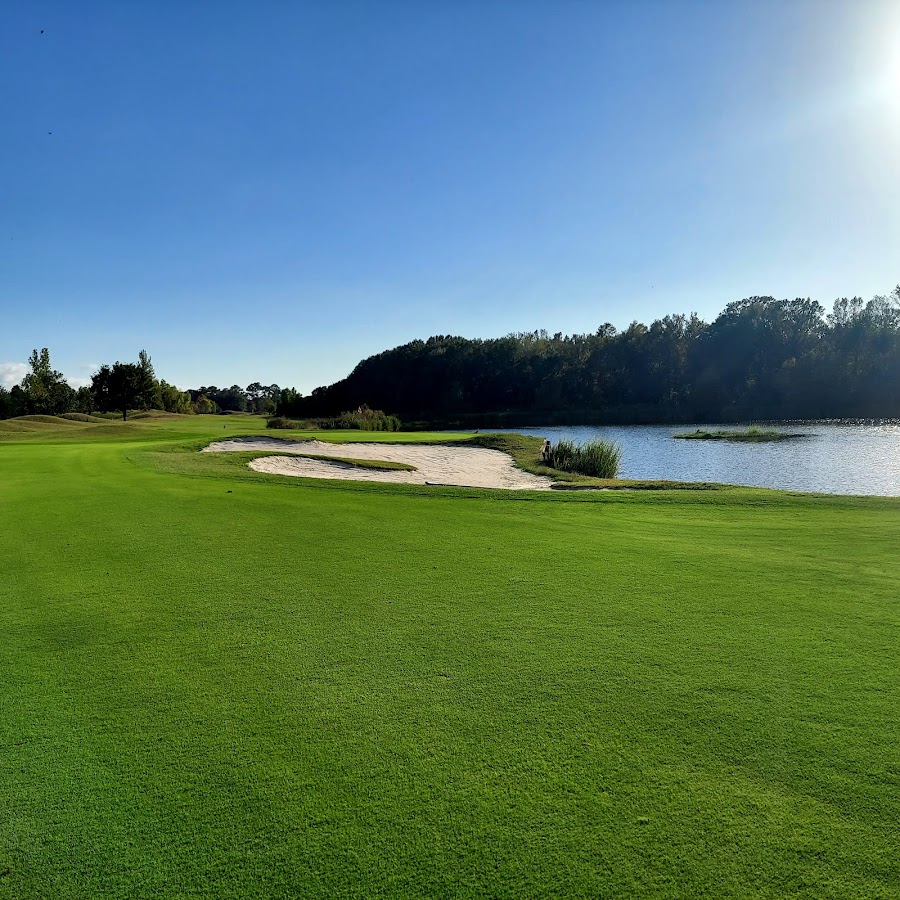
x,y
435,463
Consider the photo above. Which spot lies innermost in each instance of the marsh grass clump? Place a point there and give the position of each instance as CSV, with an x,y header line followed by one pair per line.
x,y
599,459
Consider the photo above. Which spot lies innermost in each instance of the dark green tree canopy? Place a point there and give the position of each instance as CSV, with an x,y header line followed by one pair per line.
x,y
45,391
761,358
121,387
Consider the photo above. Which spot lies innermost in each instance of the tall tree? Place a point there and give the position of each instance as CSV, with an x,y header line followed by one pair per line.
x,y
169,398
84,400
121,387
46,390
147,378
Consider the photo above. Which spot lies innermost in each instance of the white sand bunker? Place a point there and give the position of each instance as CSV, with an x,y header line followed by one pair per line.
x,y
435,463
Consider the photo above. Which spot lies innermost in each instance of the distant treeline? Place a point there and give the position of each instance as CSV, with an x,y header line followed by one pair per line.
x,y
761,358
119,387
255,398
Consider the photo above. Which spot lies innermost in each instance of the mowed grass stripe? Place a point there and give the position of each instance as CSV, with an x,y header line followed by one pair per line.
x,y
291,690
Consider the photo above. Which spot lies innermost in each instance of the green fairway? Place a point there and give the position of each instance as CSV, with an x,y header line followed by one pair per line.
x,y
219,684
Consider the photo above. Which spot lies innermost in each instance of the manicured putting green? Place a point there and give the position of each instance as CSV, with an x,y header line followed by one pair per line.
x,y
216,684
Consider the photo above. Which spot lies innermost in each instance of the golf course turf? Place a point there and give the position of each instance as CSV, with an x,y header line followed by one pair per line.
x,y
216,683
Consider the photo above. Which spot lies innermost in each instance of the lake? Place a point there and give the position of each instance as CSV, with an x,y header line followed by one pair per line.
x,y
835,458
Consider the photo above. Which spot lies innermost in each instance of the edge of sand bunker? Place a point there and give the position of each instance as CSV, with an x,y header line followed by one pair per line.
x,y
435,463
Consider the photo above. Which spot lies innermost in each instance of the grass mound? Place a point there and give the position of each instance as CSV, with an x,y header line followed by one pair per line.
x,y
83,417
155,414
139,414
37,423
42,420
377,464
752,435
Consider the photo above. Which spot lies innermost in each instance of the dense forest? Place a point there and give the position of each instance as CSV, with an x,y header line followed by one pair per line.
x,y
761,358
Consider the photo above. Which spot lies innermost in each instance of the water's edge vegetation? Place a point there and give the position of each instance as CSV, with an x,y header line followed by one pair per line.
x,y
597,458
752,435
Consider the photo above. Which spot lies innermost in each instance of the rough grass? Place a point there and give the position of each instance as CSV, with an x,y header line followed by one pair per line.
x,y
216,684
116,415
40,421
83,417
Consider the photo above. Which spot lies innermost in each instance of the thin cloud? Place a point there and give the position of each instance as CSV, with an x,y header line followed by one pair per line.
x,y
12,373
83,379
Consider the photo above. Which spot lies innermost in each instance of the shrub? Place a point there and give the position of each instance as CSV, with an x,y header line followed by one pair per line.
x,y
281,422
599,459
362,419
366,419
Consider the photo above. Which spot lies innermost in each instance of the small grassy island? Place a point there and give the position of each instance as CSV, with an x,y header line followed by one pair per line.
x,y
752,435
377,464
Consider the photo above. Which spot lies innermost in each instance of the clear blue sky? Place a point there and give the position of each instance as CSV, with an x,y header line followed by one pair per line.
x,y
273,191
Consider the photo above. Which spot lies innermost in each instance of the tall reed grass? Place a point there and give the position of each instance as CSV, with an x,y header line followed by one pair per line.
x,y
600,459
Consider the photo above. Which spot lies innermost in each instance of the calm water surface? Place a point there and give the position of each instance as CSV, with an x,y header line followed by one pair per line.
x,y
834,458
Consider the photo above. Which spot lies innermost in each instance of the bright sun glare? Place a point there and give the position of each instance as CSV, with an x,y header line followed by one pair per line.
x,y
882,47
